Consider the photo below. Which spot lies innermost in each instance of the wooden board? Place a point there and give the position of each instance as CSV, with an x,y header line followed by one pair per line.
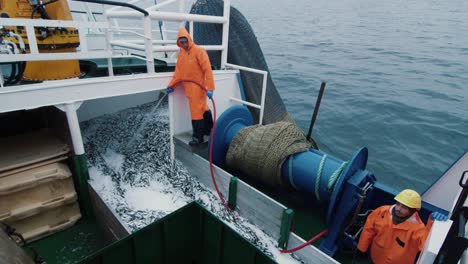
x,y
32,166
27,149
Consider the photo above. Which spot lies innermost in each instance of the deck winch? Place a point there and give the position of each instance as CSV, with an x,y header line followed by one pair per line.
x,y
49,39
328,179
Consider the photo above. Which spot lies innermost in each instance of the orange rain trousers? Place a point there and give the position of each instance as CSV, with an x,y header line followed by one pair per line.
x,y
193,65
392,243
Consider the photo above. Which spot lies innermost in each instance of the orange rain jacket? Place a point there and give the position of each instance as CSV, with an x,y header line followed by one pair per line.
x,y
393,243
193,65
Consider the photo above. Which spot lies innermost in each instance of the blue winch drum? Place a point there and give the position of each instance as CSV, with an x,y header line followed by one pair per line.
x,y
299,170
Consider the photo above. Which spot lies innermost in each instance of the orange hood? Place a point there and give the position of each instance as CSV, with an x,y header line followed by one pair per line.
x,y
183,33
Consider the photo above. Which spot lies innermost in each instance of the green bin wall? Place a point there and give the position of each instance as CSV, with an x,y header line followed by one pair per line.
x,y
191,234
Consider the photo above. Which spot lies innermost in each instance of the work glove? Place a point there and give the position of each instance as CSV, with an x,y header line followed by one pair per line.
x,y
439,216
169,90
209,93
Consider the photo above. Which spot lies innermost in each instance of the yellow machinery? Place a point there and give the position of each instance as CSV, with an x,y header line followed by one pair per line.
x,y
49,40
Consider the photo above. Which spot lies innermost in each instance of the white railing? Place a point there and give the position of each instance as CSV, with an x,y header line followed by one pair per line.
x,y
145,43
35,55
261,106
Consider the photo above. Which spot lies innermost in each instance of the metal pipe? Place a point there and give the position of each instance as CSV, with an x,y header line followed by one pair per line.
x,y
316,109
74,126
110,66
226,15
161,5
50,23
191,29
262,103
246,103
245,68
33,49
171,127
171,16
148,45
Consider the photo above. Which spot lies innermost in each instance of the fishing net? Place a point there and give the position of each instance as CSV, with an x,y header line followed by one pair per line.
x,y
259,151
244,50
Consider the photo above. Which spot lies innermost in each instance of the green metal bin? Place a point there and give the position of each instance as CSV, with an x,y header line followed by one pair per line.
x,y
191,234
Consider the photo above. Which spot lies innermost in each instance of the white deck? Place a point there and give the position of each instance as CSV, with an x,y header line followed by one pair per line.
x,y
445,191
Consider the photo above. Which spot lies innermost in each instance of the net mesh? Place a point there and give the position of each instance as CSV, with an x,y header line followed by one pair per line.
x,y
259,151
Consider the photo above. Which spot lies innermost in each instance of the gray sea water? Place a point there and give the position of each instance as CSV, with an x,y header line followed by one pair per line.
x,y
396,73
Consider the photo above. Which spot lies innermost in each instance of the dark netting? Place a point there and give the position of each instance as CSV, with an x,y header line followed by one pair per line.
x,y
243,50
259,151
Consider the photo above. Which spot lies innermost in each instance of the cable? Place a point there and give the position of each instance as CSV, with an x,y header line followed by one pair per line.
x,y
319,235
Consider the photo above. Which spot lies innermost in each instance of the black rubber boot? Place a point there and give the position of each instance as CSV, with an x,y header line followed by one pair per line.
x,y
208,122
197,136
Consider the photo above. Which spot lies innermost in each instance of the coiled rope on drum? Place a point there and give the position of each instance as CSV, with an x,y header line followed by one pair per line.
x,y
331,181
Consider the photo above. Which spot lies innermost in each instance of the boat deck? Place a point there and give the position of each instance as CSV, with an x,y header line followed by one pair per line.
x,y
308,221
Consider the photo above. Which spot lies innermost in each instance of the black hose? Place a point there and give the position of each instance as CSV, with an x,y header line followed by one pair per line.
x,y
12,76
10,79
141,10
42,10
21,68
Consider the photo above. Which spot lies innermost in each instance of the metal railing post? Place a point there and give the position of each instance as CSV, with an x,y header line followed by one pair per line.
x,y
110,66
171,126
32,40
148,44
191,29
226,14
182,10
262,109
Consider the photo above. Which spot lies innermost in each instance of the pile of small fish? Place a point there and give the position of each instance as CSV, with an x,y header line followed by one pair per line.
x,y
128,155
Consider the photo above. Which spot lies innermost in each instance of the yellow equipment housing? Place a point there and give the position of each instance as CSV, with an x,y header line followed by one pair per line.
x,y
57,40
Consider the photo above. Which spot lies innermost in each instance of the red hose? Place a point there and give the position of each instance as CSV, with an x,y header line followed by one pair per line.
x,y
319,235
211,149
211,162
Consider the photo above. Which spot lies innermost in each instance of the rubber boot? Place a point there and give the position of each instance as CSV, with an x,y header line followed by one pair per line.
x,y
208,122
197,136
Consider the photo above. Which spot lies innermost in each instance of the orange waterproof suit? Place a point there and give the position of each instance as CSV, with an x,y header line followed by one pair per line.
x,y
193,65
391,243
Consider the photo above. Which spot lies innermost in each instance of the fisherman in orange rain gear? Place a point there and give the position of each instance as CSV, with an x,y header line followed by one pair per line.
x,y
193,67
395,233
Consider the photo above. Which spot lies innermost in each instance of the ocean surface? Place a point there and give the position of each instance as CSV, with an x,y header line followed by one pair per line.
x,y
396,74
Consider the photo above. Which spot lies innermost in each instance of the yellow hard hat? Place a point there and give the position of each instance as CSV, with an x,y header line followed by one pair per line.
x,y
409,198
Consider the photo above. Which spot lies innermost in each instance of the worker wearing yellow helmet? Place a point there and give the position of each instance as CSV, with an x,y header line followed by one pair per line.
x,y
395,233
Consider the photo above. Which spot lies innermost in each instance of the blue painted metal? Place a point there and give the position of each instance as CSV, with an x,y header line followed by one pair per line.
x,y
305,166
357,162
300,170
351,193
227,126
